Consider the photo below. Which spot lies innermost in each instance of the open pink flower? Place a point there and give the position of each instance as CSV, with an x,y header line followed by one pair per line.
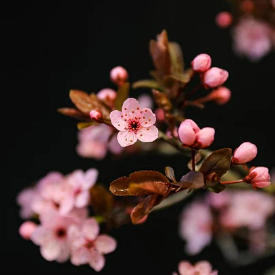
x,y
134,123
247,209
87,246
200,268
76,190
94,142
196,227
252,38
246,152
259,177
192,136
52,236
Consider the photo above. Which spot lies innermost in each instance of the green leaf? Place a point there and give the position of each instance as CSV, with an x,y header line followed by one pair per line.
x,y
192,180
122,95
147,83
217,188
170,80
176,56
218,162
170,173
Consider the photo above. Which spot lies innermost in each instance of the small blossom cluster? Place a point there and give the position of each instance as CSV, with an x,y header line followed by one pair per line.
x,y
65,230
200,268
229,211
253,31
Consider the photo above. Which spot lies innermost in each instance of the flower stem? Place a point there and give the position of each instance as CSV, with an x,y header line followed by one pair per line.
x,y
231,182
193,152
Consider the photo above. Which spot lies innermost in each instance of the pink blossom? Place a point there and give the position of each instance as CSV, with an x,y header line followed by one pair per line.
x,y
221,95
76,190
134,123
108,96
259,177
145,101
214,77
26,229
52,236
218,201
246,152
224,19
252,38
118,75
247,209
200,268
87,246
201,63
192,136
96,116
94,142
196,226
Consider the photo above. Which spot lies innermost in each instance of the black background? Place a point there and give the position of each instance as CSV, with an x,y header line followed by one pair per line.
x,y
50,49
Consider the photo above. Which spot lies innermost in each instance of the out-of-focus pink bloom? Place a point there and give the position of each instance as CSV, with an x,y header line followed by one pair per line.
x,y
96,116
25,199
214,77
52,236
221,95
258,176
118,75
26,229
218,201
196,226
160,115
134,123
94,142
252,38
248,209
87,246
145,101
108,96
246,152
258,240
201,63
200,268
76,190
192,136
224,19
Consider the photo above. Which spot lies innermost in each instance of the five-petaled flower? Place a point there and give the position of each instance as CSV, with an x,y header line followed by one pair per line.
x,y
134,123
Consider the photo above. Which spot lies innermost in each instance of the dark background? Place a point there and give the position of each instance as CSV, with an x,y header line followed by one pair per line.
x,y
50,49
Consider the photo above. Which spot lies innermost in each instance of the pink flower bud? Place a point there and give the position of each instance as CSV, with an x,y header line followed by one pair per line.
x,y
220,95
107,95
26,229
201,63
224,19
214,77
96,116
205,137
194,137
187,132
118,75
259,177
246,152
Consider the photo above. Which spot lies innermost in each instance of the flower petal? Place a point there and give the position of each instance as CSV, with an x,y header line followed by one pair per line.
x,y
118,121
90,229
126,138
64,253
97,261
148,134
90,178
147,117
131,107
203,267
67,205
105,244
82,199
41,235
51,250
75,237
80,256
185,267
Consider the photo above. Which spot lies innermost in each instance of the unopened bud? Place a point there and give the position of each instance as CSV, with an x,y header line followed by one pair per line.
x,y
118,75
201,63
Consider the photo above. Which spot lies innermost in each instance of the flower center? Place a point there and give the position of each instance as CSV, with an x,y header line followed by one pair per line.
x,y
61,233
89,244
133,125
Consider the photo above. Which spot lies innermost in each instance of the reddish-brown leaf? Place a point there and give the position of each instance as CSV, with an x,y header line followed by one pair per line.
x,y
120,187
72,112
192,180
82,101
149,187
